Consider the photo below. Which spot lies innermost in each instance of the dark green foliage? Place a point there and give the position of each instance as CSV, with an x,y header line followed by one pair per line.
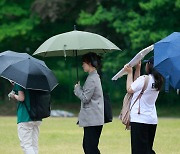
x,y
131,25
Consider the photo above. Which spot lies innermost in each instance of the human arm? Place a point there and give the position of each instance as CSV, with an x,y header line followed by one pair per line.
x,y
19,97
137,71
129,80
85,93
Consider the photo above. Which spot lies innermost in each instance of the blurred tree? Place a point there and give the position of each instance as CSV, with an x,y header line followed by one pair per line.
x,y
137,22
23,31
131,25
16,30
17,25
65,10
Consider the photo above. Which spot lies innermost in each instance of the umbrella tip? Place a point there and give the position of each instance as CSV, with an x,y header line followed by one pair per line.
x,y
74,27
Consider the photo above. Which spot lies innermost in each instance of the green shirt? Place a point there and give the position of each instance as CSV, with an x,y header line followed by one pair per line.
x,y
22,113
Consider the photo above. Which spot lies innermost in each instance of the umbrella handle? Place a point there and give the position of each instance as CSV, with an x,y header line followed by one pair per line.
x,y
77,67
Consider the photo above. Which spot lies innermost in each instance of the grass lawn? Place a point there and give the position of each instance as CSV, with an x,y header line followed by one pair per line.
x,y
63,136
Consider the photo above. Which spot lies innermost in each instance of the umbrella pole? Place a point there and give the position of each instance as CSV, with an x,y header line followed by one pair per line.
x,y
77,66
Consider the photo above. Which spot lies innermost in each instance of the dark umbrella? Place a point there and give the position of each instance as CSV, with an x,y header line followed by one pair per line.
x,y
10,57
167,59
27,71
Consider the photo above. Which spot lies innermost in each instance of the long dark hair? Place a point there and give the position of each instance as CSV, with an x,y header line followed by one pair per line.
x,y
157,76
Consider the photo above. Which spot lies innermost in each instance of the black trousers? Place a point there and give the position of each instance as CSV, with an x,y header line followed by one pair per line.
x,y
91,139
142,138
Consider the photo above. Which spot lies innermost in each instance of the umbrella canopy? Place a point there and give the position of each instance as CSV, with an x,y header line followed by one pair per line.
x,y
66,44
9,57
27,71
75,43
139,56
167,59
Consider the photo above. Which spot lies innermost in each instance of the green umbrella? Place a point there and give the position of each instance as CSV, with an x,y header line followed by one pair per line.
x,y
75,43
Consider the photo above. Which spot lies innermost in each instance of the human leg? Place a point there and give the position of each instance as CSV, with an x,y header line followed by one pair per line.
x,y
91,139
25,130
139,138
152,132
35,135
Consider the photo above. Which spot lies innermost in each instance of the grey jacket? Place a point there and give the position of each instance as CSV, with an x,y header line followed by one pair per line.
x,y
92,101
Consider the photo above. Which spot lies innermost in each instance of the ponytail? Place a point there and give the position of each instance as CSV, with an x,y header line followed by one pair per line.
x,y
157,77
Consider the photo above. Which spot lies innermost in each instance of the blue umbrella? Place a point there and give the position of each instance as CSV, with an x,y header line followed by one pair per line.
x,y
167,59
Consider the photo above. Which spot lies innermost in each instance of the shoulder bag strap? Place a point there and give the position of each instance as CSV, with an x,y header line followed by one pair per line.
x,y
145,83
141,93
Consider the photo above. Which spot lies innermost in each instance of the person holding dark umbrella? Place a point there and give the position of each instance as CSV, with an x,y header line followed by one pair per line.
x,y
91,116
28,73
28,130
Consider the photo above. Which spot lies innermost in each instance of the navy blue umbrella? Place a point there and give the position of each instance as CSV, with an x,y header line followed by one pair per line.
x,y
27,71
10,57
167,59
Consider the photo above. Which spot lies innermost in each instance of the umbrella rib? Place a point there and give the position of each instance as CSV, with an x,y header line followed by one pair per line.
x,y
49,71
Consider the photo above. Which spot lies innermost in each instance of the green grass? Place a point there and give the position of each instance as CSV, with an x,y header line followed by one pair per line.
x,y
63,136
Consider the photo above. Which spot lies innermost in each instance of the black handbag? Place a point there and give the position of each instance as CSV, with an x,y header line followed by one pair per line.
x,y
108,117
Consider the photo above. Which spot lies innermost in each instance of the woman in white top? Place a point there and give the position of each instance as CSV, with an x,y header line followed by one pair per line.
x,y
143,123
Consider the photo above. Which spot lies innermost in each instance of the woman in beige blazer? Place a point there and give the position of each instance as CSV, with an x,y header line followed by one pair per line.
x,y
91,115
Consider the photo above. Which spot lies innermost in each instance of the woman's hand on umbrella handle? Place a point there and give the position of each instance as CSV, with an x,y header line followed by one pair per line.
x,y
77,84
128,68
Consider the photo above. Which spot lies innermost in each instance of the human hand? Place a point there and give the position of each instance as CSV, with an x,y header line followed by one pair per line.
x,y
11,94
128,68
138,65
77,84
